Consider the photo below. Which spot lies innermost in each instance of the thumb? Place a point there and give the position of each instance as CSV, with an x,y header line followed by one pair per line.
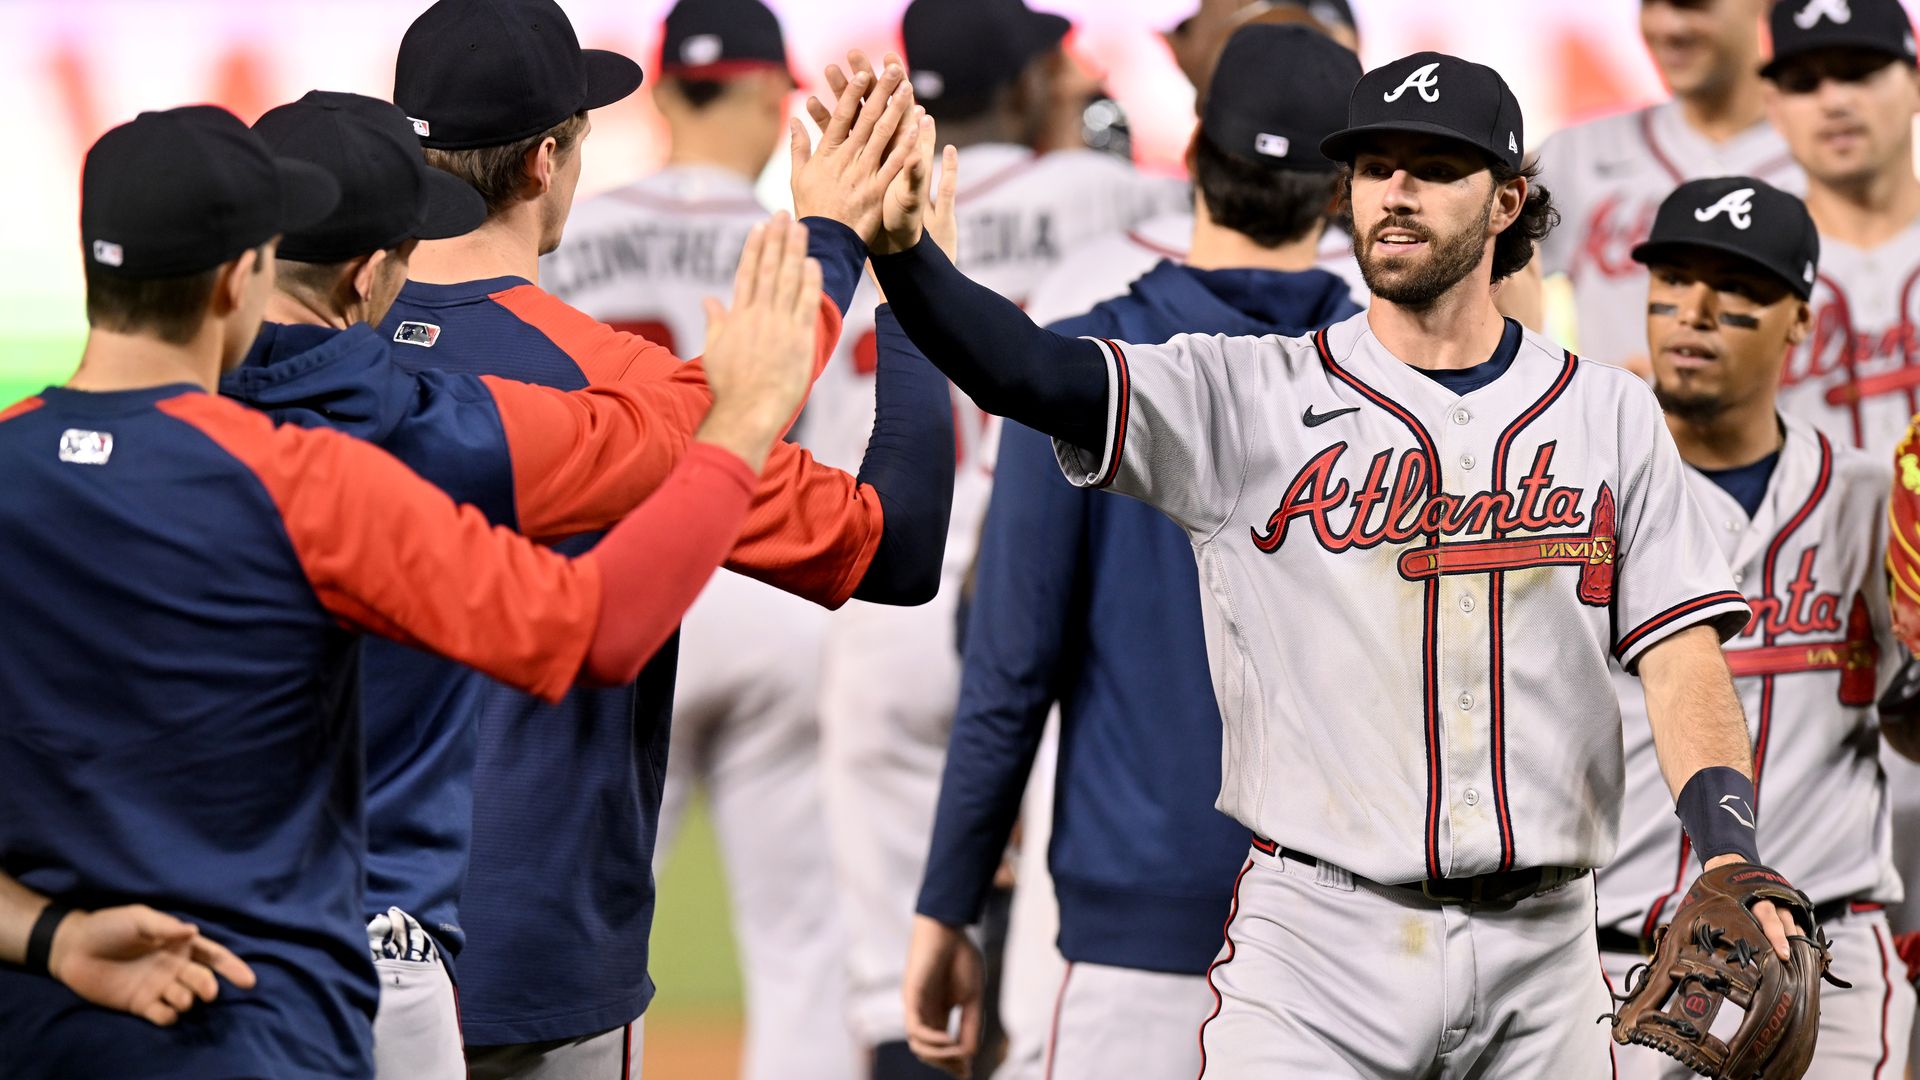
x,y
716,314
799,147
158,926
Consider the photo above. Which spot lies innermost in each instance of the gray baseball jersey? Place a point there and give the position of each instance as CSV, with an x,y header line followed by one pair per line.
x,y
1410,595
1856,377
1808,669
1608,176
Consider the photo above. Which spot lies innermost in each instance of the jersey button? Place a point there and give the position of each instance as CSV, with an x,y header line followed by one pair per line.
x,y
1739,577
1466,702
1461,416
1733,526
1466,461
1471,796
1466,603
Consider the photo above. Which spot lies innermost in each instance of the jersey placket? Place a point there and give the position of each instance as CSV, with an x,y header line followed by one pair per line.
x,y
1471,840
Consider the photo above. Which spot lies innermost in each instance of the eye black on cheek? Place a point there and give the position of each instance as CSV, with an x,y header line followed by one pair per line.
x,y
1663,309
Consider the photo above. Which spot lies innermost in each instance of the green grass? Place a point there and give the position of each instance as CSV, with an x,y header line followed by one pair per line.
x,y
29,363
692,956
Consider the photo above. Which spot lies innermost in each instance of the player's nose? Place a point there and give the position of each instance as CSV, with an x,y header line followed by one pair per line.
x,y
1698,305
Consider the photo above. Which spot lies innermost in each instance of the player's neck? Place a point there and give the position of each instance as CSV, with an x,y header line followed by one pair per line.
x,y
1739,436
697,146
115,361
1867,212
1216,247
290,310
508,245
1459,330
1724,112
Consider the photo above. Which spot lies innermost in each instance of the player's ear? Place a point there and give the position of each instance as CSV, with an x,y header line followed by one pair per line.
x,y
541,163
364,272
1802,325
234,278
1509,201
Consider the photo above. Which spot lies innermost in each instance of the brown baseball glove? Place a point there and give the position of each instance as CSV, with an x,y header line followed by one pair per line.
x,y
1715,952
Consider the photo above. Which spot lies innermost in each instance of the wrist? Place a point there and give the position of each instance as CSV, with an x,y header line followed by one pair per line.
x,y
747,430
45,943
1716,807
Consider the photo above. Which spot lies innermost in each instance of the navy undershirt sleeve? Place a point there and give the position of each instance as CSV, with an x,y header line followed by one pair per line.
x,y
841,255
993,352
909,462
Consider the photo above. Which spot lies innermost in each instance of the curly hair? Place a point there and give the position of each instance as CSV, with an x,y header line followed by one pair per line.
x,y
1513,248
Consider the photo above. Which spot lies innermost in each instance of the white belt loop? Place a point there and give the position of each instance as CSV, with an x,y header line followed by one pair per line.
x,y
1334,877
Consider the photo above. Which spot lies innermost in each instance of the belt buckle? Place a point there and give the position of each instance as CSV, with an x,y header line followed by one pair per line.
x,y
1472,895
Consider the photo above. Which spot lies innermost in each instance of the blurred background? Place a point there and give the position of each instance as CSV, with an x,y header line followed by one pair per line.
x,y
70,69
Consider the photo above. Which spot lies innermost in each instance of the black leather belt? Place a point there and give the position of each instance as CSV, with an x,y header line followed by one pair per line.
x,y
1616,940
1504,887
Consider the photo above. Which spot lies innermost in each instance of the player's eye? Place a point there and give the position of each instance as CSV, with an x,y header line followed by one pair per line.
x,y
1799,82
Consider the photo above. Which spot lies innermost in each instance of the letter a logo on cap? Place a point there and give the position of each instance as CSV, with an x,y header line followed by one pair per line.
x,y
1737,205
1423,79
1837,10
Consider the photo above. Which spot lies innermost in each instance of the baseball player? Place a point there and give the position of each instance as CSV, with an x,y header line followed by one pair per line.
x,y
1416,571
644,258
558,896
221,567
1843,93
1609,175
1142,862
980,69
1805,531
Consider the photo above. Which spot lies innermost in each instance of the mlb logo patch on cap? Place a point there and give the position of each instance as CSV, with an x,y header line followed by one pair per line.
x,y
79,447
423,334
107,253
1271,145
700,50
420,127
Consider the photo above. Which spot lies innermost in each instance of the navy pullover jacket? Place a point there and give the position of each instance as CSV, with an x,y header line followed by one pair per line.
x,y
1093,601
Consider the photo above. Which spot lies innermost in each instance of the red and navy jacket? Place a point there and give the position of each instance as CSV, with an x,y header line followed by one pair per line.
x,y
558,897
184,583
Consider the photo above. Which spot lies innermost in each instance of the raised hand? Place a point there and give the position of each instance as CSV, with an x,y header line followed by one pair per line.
x,y
141,961
759,355
866,139
913,204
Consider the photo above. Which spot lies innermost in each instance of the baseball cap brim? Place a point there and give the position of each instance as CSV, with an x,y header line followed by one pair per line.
x,y
1339,146
448,207
1647,252
1047,29
1864,43
308,193
610,77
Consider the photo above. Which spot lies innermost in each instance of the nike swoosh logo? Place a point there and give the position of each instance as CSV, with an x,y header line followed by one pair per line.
x,y
1314,419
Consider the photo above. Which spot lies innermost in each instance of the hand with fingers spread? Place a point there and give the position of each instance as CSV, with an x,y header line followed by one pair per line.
x,y
759,355
865,142
913,206
944,973
141,961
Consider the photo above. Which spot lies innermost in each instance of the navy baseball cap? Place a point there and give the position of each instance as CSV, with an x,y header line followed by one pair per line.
x,y
718,39
1739,216
173,193
1804,26
388,192
475,73
1434,94
960,52
1277,91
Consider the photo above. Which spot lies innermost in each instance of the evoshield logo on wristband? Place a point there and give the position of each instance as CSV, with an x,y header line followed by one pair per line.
x,y
1737,806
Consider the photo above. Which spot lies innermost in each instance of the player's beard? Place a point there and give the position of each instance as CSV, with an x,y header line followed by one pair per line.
x,y
1449,260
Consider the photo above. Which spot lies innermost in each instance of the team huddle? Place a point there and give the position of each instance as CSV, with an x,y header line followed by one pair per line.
x,y
1517,711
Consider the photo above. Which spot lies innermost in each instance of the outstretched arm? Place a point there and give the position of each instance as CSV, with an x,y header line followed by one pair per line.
x,y
130,958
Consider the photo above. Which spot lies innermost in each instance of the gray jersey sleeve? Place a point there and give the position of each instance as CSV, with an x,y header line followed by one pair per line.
x,y
1670,574
1178,427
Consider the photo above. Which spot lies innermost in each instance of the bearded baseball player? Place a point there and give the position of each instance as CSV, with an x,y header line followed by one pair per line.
x,y
1422,534
982,69
1609,175
1106,616
645,258
1802,520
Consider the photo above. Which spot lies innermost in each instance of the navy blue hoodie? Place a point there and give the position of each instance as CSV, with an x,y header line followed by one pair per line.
x,y
1093,601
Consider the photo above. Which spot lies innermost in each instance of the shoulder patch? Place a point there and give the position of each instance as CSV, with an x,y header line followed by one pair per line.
x,y
423,334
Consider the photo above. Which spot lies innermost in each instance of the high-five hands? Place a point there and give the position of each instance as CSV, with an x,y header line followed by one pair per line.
x,y
866,140
759,355
910,203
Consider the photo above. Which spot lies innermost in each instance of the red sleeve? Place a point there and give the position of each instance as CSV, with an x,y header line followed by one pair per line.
x,y
390,554
582,460
812,530
654,563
